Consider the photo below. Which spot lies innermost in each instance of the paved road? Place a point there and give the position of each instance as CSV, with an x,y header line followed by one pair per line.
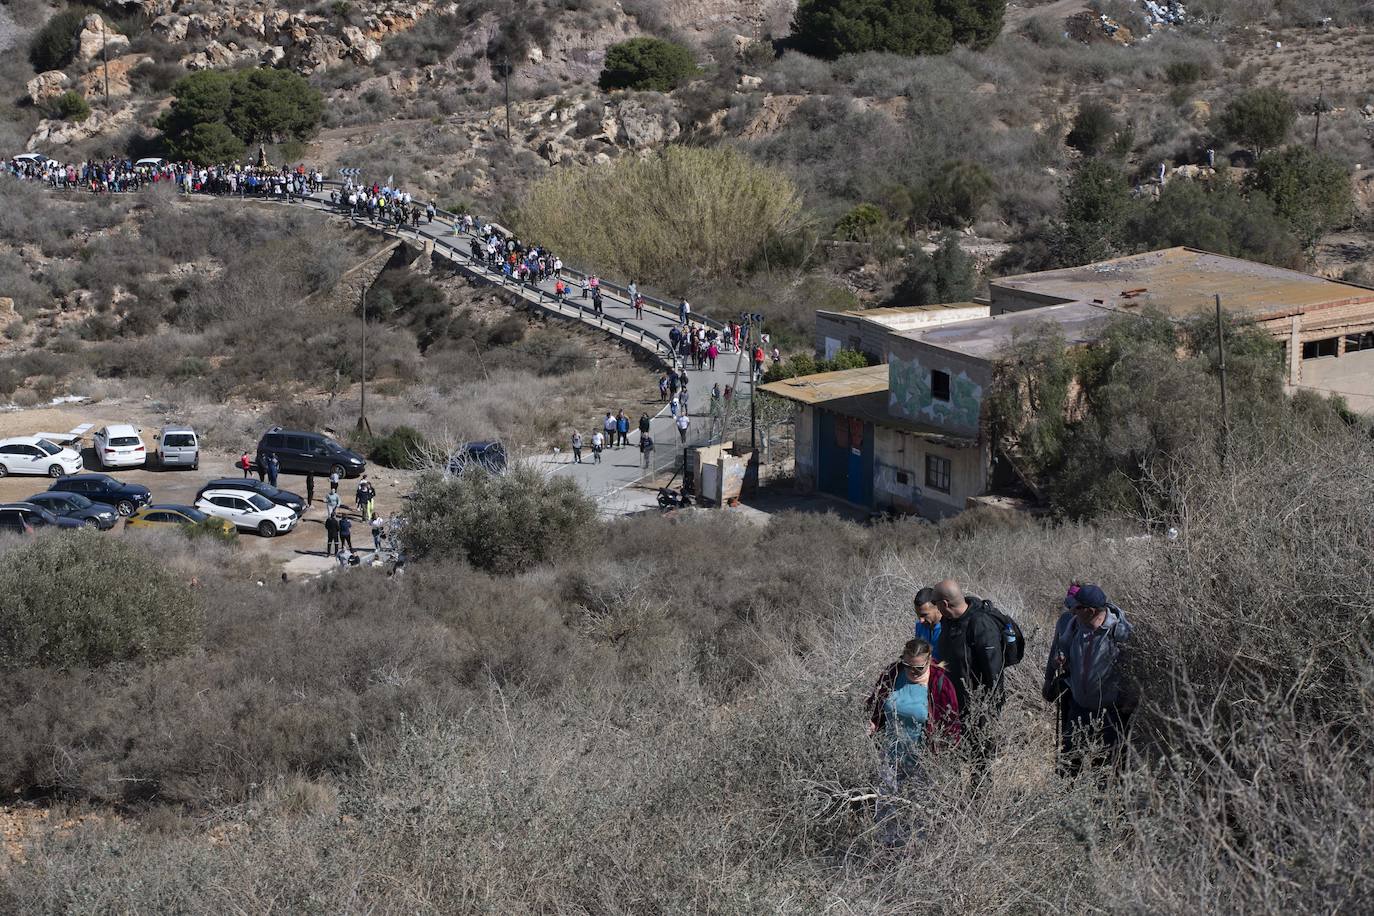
x,y
619,468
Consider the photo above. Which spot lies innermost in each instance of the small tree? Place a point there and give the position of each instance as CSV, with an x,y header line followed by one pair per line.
x,y
1310,190
503,523
946,275
1259,119
54,45
215,114
62,608
832,28
647,63
956,193
860,224
1094,128
70,106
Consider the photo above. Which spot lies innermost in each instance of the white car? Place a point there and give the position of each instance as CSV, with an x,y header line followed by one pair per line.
x,y
151,163
249,511
36,455
119,446
37,159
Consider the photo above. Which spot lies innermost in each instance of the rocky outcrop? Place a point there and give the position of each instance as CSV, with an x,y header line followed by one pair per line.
x,y
47,85
56,133
99,36
92,85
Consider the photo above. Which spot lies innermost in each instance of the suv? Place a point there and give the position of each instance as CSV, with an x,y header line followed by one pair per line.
x,y
250,511
118,446
24,518
281,497
178,447
303,452
36,455
489,456
102,488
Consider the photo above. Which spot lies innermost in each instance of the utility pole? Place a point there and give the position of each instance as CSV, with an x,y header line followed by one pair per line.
x,y
1321,102
362,405
1221,365
756,324
105,58
505,68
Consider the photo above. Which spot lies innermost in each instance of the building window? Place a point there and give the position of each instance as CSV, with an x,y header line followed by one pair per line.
x,y
937,473
939,385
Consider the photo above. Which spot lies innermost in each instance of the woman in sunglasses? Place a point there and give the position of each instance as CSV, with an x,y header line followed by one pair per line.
x,y
913,710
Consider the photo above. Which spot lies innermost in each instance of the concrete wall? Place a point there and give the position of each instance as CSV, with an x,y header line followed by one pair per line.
x,y
910,367
1005,299
870,333
804,442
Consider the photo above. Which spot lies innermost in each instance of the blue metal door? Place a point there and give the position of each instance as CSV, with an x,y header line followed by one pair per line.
x,y
844,458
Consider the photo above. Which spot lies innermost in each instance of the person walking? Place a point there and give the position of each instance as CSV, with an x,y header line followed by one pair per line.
x,y
310,488
928,620
712,352
597,441
273,466
331,535
913,710
662,395
971,648
644,424
360,495
622,429
673,406
346,532
683,421
577,447
682,402
646,449
1085,676
331,503
378,527
608,427
261,464
333,481
758,363
684,311
246,464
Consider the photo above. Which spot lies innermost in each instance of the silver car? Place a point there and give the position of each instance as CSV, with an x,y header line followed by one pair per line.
x,y
178,447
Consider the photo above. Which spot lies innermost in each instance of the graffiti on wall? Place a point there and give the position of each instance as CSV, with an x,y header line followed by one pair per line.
x,y
910,396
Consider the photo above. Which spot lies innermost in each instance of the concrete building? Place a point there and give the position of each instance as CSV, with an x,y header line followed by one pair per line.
x,y
1313,317
910,434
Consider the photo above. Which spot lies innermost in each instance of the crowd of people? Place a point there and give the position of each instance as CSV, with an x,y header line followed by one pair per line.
x,y
947,688
118,176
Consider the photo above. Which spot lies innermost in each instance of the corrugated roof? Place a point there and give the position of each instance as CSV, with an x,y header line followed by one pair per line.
x,y
1182,281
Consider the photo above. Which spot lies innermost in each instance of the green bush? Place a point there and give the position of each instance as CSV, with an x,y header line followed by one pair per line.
x,y
217,114
647,63
956,192
1259,119
210,531
503,523
1310,190
1094,128
946,275
860,224
832,28
54,45
400,448
1220,219
85,599
806,364
1184,72
70,106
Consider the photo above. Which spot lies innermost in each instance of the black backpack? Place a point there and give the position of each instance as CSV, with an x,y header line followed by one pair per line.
x,y
1013,640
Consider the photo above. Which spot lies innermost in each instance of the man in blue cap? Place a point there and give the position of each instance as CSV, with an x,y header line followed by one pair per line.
x,y
1085,675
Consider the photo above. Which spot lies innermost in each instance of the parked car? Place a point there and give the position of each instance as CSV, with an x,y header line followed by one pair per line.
x,y
152,162
300,452
36,455
102,488
156,516
119,446
178,447
26,517
36,158
74,505
490,456
292,501
248,511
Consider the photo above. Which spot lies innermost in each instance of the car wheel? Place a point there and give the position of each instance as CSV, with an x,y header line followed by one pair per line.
x,y
266,529
195,465
124,507
56,471
92,523
3,470
340,470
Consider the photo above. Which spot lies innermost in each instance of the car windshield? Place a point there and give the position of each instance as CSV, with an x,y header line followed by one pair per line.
x,y
47,447
261,503
124,440
178,440
77,501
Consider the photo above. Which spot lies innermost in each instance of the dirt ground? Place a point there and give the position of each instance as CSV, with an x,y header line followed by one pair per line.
x,y
300,552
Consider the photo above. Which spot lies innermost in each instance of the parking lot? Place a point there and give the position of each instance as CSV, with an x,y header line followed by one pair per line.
x,y
299,552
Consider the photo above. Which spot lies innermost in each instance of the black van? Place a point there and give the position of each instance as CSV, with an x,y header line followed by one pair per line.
x,y
301,452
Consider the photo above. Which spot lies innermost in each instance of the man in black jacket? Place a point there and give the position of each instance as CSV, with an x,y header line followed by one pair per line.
x,y
971,648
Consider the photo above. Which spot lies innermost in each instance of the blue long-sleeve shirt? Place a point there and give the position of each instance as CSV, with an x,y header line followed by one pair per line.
x,y
923,631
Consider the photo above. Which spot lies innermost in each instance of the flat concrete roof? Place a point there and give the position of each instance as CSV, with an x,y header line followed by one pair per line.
x,y
985,338
860,393
1182,281
910,309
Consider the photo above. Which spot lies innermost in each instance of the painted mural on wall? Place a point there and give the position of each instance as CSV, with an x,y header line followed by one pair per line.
x,y
909,396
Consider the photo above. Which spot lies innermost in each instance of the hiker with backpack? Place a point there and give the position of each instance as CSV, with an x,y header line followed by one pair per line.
x,y
913,710
977,642
1085,677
